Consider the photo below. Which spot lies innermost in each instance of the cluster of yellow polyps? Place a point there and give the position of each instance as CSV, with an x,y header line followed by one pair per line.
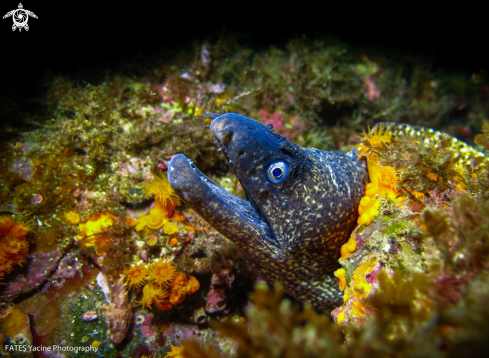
x,y
358,288
165,202
163,286
91,233
383,179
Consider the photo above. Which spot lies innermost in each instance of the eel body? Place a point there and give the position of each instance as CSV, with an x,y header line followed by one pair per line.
x,y
300,208
301,203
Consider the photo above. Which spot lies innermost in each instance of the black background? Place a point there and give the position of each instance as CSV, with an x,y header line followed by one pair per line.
x,y
68,36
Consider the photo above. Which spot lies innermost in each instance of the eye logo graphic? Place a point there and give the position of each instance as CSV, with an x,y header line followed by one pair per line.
x,y
20,17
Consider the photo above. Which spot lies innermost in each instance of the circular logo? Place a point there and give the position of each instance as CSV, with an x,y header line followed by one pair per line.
x,y
20,17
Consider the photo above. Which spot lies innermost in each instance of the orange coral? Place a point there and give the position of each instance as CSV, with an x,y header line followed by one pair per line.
x,y
131,221
181,287
368,209
178,217
193,285
162,272
176,297
13,244
136,275
165,289
179,284
152,293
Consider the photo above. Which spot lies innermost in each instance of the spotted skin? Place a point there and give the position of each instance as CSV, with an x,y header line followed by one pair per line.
x,y
289,232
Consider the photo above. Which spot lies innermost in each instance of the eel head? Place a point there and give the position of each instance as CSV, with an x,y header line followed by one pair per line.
x,y
300,203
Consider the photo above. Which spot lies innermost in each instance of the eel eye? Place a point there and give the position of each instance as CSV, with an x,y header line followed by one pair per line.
x,y
278,171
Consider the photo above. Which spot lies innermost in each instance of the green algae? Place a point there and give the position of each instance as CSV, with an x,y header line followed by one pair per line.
x,y
396,227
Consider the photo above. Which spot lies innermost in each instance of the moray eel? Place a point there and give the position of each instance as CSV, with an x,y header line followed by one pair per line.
x,y
301,203
300,208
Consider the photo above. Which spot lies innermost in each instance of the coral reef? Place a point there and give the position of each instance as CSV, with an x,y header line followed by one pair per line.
x,y
163,286
89,226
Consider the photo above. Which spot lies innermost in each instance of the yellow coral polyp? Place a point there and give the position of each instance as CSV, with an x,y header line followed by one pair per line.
x,y
152,240
72,218
176,352
152,293
136,275
358,309
91,232
162,190
162,272
155,222
358,287
170,228
340,275
348,247
373,138
96,224
367,217
341,317
388,179
157,216
383,180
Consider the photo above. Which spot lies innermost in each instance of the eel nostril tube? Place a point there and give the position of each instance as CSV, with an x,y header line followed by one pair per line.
x,y
226,134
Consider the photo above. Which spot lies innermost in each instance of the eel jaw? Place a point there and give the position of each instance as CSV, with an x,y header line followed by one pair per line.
x,y
235,218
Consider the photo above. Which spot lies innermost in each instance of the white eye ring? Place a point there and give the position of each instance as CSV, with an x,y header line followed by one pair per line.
x,y
278,171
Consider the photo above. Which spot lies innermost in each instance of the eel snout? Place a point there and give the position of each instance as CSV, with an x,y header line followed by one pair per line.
x,y
184,180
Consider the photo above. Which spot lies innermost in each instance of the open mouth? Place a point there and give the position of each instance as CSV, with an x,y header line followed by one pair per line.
x,y
239,205
224,211
212,202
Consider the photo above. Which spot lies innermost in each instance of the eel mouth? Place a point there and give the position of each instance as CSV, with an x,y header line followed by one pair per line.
x,y
224,211
208,198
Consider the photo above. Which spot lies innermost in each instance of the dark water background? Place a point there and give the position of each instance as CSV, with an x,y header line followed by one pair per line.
x,y
82,39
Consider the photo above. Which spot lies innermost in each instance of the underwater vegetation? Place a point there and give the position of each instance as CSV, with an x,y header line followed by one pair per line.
x,y
91,231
